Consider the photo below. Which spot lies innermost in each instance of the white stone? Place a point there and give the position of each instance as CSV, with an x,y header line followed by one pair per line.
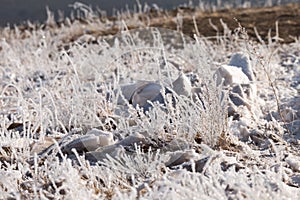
x,y
246,91
135,138
104,138
182,85
231,75
140,93
128,90
293,162
145,93
179,157
116,149
242,61
92,140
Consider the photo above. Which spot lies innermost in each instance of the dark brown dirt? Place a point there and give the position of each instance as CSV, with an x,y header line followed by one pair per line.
x,y
264,19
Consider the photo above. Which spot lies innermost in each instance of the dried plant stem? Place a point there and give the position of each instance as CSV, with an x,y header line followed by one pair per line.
x,y
273,87
252,50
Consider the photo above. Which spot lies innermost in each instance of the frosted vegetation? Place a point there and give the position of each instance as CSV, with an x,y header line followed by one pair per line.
x,y
206,139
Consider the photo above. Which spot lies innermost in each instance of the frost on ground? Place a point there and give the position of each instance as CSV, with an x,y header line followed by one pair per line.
x,y
148,114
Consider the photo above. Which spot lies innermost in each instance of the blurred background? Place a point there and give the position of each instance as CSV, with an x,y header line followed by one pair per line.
x,y
18,11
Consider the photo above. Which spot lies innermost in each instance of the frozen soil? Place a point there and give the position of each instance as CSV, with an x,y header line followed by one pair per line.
x,y
61,84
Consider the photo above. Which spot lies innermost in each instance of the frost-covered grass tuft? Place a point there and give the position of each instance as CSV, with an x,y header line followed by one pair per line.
x,y
54,89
